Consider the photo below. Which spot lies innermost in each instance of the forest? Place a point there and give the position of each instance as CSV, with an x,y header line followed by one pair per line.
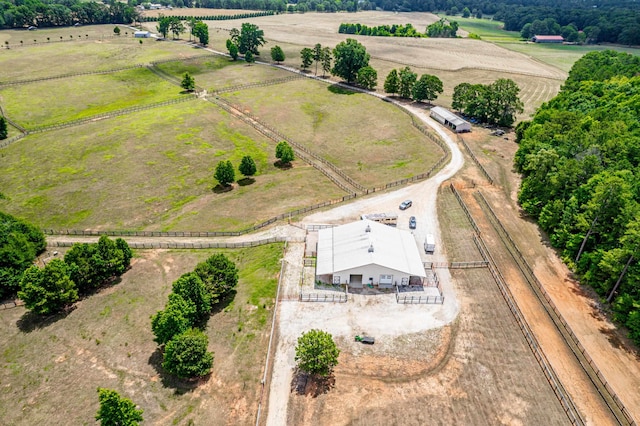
x,y
580,163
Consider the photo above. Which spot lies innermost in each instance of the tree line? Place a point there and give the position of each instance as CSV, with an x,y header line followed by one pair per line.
x,y
178,328
211,17
580,163
85,267
65,13
441,29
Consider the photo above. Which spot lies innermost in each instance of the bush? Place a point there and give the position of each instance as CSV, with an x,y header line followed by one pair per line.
x,y
186,355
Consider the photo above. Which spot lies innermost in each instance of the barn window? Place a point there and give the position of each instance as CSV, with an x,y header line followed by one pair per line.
x,y
386,279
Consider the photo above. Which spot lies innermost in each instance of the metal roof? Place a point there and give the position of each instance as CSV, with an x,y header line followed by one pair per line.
x,y
449,116
349,246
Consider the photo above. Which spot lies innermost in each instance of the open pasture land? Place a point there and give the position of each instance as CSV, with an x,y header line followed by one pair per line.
x,y
50,369
487,29
460,374
372,141
219,72
101,51
69,99
152,170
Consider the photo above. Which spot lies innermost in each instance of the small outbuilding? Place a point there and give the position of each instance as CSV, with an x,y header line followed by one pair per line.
x,y
547,39
449,119
142,34
367,253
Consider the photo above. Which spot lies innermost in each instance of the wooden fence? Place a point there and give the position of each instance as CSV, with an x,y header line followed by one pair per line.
x,y
189,245
475,160
419,300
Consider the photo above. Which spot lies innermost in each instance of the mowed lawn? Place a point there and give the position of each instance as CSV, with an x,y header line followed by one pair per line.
x,y
100,51
372,141
50,369
55,101
218,72
152,170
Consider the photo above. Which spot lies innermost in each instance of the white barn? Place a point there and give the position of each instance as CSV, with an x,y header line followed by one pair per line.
x,y
449,119
367,253
142,34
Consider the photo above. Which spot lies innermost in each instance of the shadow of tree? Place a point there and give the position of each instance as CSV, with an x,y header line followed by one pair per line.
x,y
220,189
284,166
31,321
180,386
312,385
246,181
223,303
339,90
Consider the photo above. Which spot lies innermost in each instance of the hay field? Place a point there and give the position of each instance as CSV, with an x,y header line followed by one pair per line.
x,y
51,368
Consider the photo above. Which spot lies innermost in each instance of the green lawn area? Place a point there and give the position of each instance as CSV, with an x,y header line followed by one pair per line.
x,y
371,141
218,72
50,102
48,366
152,170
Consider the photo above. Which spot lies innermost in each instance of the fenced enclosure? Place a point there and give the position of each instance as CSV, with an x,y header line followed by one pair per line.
x,y
412,299
324,297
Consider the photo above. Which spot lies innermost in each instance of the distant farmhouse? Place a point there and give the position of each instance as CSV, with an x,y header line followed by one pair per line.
x,y
367,253
547,39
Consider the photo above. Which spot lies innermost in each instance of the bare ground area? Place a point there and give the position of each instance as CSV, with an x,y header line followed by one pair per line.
x,y
611,352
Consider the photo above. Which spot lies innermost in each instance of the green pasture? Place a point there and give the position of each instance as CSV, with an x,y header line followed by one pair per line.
x,y
98,52
107,342
371,141
50,102
152,170
218,72
487,29
561,55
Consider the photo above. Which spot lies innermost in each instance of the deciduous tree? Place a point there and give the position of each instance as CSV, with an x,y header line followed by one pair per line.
x,y
277,54
392,82
248,39
427,88
367,77
316,352
225,174
49,290
326,60
188,83
116,410
176,26
4,130
307,58
407,80
317,55
284,153
177,316
219,275
247,166
164,22
201,30
193,290
348,57
186,355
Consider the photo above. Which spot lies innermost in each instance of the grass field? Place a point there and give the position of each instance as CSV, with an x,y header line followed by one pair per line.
x,y
99,52
487,29
49,366
152,170
218,72
70,99
371,150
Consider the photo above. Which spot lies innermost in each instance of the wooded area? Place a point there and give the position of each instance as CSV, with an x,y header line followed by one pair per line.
x,y
580,162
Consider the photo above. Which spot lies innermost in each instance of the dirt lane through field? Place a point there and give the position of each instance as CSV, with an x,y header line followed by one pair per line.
x,y
577,383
